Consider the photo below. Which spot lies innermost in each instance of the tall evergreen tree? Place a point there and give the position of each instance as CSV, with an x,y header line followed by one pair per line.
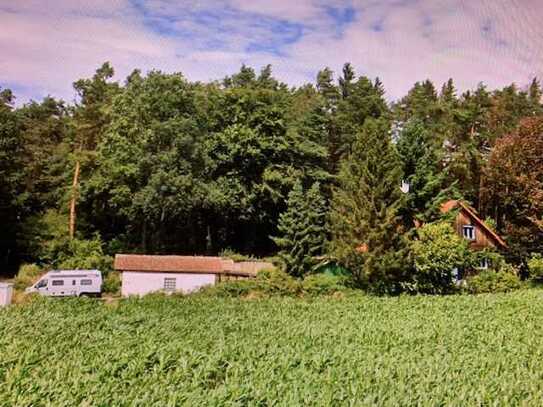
x,y
327,88
365,100
345,82
535,94
366,225
302,231
423,171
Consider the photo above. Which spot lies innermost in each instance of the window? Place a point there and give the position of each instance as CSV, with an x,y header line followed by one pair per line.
x,y
41,283
86,282
57,282
484,263
469,232
169,284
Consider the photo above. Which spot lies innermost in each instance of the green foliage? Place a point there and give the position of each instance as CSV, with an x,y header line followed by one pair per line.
x,y
302,232
494,259
437,250
111,283
535,266
28,274
85,255
423,170
47,235
237,257
367,236
174,166
360,350
11,182
490,281
324,284
273,282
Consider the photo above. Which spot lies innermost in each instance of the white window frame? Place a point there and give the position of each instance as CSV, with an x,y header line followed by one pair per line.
x,y
484,263
470,236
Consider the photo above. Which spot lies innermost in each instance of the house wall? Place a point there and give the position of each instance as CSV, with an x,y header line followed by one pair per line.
x,y
141,283
482,240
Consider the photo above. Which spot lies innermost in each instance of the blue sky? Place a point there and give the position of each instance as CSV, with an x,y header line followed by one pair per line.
x,y
46,48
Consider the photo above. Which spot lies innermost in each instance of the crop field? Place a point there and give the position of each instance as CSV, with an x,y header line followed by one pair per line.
x,y
458,350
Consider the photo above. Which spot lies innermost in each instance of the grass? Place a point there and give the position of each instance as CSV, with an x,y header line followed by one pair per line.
x,y
457,350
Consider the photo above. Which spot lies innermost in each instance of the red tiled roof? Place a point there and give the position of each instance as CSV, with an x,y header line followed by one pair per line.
x,y
188,264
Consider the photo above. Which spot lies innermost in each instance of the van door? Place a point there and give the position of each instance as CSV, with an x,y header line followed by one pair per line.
x,y
74,287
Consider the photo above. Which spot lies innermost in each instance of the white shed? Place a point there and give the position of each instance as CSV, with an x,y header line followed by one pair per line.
x,y
6,291
143,274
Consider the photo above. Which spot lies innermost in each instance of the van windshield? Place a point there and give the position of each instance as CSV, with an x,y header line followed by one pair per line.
x,y
41,283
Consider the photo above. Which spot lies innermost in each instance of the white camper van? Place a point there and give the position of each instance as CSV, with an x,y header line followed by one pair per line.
x,y
72,283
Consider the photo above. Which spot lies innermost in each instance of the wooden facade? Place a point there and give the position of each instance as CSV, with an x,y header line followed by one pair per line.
x,y
468,225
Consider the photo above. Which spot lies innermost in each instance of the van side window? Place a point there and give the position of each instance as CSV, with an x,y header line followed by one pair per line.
x,y
57,282
86,282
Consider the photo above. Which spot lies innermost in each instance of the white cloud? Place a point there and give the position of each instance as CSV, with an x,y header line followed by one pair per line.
x,y
45,49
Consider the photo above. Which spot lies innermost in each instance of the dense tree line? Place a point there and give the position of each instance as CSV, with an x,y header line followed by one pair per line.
x,y
159,164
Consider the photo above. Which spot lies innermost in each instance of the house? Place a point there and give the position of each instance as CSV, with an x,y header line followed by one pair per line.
x,y
142,274
468,225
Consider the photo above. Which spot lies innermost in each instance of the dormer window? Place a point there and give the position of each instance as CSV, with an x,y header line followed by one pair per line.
x,y
469,232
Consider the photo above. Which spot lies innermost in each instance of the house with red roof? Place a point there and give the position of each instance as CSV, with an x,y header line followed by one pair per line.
x,y
143,274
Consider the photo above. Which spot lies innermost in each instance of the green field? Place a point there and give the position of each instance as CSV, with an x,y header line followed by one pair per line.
x,y
458,350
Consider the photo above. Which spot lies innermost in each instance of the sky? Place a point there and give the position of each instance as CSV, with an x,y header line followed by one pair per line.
x,y
46,45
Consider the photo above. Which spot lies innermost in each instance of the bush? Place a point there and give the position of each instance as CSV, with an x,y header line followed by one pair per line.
x,y
233,288
85,255
489,281
324,284
28,274
234,256
535,266
278,283
437,251
272,282
112,283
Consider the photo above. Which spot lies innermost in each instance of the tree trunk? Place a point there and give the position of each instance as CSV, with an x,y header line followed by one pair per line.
x,y
73,201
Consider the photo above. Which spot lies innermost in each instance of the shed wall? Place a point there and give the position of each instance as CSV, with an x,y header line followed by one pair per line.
x,y
141,283
6,291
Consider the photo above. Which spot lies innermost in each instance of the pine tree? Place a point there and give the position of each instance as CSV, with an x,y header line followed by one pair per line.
x,y
326,87
302,229
422,169
534,95
367,236
448,93
345,82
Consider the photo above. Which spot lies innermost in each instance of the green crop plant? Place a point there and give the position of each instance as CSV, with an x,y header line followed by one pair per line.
x,y
198,350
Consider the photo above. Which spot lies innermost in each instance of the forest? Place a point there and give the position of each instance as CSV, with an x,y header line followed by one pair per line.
x,y
247,164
